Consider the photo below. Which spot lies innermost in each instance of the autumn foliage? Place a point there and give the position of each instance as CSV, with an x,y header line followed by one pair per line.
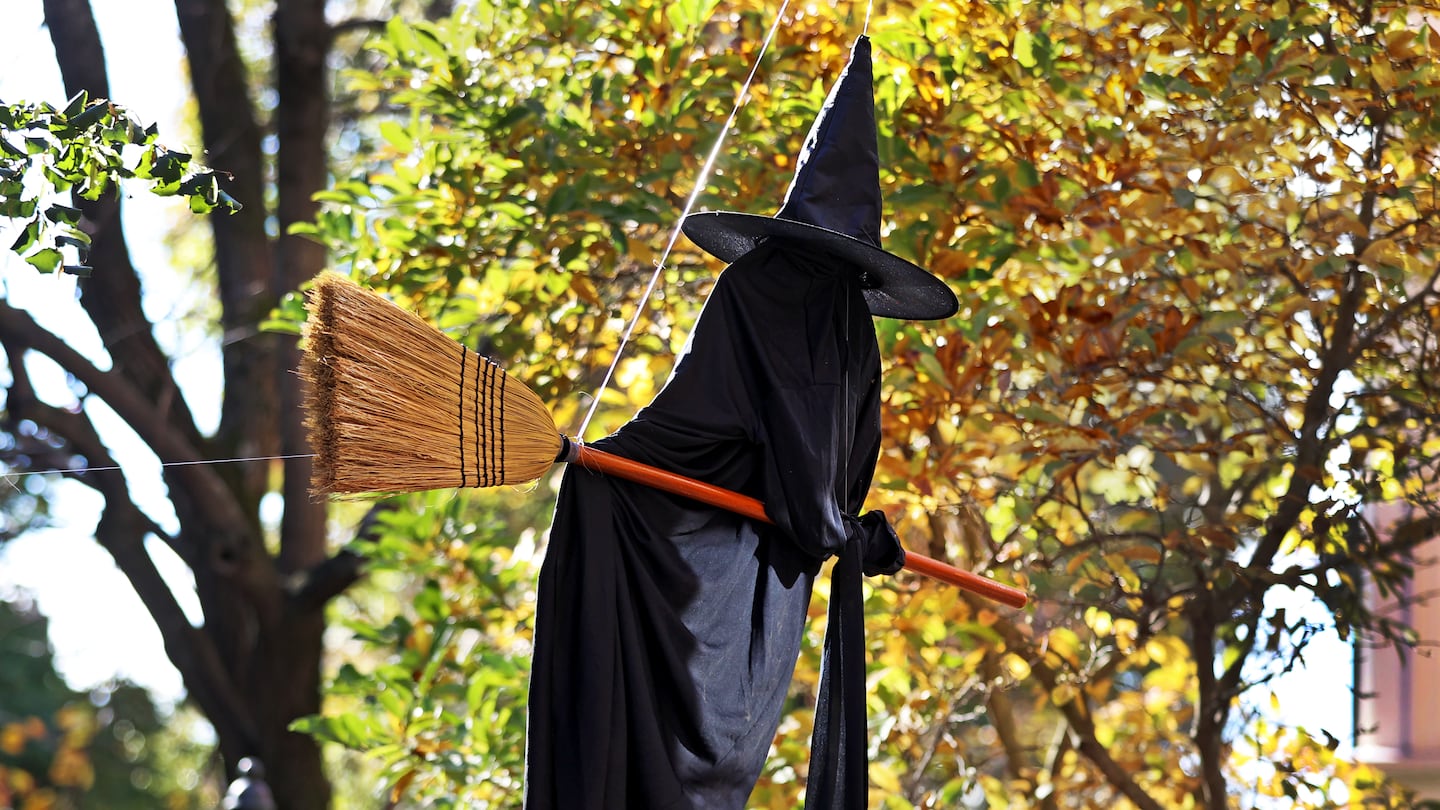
x,y
1196,252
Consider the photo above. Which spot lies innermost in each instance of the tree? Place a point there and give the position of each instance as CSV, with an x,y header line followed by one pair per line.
x,y
1197,253
1195,247
253,664
1233,206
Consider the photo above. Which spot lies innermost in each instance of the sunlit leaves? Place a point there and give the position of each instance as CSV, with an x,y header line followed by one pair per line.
x,y
1172,201
1195,246
436,690
86,147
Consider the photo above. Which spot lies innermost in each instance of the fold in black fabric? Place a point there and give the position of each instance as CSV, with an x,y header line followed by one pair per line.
x,y
667,631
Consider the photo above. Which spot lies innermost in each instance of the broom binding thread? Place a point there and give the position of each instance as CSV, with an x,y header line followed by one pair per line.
x,y
487,391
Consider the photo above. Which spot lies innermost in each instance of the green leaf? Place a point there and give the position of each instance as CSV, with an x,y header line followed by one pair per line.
x,y
16,208
1023,49
350,730
1027,175
1328,266
224,200
77,103
1035,413
75,239
1223,321
45,260
93,115
29,235
63,214
397,136
687,14
430,604
935,371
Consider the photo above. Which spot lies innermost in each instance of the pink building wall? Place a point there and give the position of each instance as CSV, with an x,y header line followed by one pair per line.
x,y
1398,715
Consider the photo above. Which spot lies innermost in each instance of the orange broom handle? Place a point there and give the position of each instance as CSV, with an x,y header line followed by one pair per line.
x,y
599,461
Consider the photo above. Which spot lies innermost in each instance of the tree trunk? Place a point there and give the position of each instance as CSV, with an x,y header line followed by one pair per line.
x,y
254,665
302,118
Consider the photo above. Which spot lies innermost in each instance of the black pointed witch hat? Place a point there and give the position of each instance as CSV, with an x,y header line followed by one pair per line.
x,y
834,205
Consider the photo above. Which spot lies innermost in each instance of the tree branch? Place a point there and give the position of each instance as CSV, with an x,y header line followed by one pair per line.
x,y
1213,708
364,24
1002,718
81,438
244,264
111,297
153,427
121,531
1081,726
330,579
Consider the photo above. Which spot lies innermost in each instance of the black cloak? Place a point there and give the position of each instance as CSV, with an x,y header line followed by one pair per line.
x,y
667,631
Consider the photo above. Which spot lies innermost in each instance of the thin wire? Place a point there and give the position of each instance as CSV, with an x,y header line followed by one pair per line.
x,y
850,425
10,478
700,182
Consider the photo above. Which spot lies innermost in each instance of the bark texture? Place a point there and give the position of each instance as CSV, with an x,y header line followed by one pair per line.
x,y
253,664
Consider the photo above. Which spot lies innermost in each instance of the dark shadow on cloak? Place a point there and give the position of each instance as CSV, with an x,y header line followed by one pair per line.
x,y
667,631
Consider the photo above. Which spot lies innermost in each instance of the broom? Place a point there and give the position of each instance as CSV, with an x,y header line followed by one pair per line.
x,y
393,405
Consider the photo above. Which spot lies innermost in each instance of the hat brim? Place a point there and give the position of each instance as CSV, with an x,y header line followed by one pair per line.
x,y
897,288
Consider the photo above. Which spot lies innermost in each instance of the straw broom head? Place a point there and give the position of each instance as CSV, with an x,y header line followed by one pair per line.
x,y
393,405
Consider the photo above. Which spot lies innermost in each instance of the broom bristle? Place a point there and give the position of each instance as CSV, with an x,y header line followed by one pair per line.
x,y
393,405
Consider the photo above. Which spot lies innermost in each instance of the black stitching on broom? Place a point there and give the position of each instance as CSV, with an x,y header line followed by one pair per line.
x,y
490,420
497,379
500,421
460,417
483,450
480,454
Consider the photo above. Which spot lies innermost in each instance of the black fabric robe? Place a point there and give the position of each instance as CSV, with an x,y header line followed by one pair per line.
x,y
667,631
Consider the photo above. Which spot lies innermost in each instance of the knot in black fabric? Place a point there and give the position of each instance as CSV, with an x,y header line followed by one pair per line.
x,y
880,551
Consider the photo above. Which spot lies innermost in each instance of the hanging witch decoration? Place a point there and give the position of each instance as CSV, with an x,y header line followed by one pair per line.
x,y
670,612
667,631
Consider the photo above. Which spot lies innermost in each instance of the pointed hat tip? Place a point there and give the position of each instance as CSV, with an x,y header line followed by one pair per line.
x,y
834,203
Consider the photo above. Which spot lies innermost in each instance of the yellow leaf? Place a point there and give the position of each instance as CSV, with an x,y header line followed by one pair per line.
x,y
12,739
1157,651
1383,74
585,290
1064,642
1063,694
1016,666
1105,734
1115,89
883,777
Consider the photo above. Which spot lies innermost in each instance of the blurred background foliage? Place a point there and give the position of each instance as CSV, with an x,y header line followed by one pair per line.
x,y
110,749
1195,250
1194,243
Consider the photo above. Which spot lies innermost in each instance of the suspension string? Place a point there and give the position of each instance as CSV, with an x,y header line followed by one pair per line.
x,y
10,478
700,182
869,7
